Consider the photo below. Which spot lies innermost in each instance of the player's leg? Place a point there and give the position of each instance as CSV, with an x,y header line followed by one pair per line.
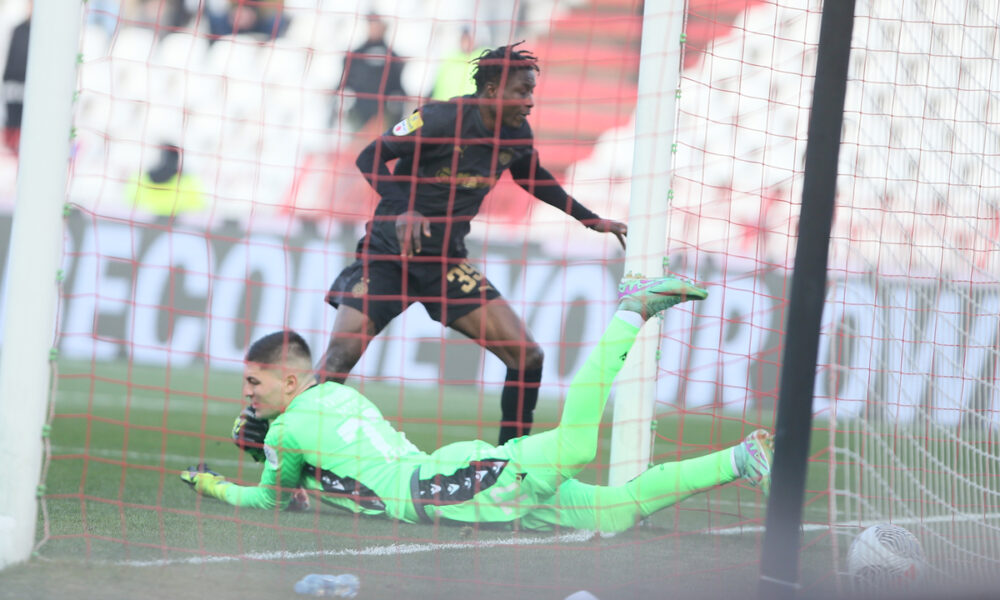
x,y
535,465
557,455
612,509
475,308
501,331
367,296
352,332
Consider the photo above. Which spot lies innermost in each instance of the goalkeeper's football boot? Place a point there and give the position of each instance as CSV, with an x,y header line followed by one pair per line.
x,y
651,296
752,459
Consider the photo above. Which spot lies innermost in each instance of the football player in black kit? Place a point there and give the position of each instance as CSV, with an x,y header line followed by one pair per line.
x,y
449,155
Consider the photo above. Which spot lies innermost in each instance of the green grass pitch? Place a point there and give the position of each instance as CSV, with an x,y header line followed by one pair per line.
x,y
119,523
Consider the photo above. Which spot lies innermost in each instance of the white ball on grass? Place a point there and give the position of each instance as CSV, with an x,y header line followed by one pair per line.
x,y
885,558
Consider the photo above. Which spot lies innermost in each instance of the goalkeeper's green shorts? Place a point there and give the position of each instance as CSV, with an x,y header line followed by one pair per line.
x,y
476,482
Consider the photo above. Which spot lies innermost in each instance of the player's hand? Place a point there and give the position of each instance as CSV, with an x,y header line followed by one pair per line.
x,y
205,481
608,226
249,433
410,226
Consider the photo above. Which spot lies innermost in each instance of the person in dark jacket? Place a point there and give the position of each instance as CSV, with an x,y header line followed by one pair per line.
x,y
13,83
373,76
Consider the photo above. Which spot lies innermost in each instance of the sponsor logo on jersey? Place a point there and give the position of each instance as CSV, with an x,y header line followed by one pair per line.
x,y
505,156
408,125
469,181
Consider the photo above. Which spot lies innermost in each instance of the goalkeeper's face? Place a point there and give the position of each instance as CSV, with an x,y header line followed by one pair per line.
x,y
268,388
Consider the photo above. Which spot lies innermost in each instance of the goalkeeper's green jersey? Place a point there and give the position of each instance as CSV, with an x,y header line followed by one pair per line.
x,y
333,439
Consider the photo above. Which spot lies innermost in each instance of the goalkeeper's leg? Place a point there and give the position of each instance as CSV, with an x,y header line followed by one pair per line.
x,y
612,509
556,455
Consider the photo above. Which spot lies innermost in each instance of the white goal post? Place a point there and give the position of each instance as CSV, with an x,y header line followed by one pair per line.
x,y
655,122
33,264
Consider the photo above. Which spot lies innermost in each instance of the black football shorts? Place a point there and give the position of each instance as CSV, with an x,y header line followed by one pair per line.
x,y
448,288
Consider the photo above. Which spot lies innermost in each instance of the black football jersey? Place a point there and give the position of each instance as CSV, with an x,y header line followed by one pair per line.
x,y
448,162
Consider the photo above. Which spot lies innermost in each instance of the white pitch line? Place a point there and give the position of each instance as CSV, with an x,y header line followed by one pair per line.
x,y
148,458
964,517
390,550
146,402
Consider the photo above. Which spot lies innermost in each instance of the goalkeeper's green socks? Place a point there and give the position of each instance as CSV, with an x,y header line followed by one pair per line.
x,y
588,392
560,453
669,483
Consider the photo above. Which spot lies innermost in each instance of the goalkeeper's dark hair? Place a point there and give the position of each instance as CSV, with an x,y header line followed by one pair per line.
x,y
494,65
278,348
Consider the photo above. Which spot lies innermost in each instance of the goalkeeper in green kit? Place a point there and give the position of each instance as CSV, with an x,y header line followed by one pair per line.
x,y
329,438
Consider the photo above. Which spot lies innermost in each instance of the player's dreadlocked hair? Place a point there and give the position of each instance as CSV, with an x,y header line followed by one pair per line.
x,y
280,347
491,64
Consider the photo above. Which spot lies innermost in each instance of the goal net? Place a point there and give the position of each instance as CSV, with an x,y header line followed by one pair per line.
x,y
907,402
242,111
908,379
254,134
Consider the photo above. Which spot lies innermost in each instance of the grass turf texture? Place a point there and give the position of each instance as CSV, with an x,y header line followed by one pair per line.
x,y
120,524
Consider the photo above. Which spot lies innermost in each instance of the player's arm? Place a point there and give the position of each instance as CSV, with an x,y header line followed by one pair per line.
x,y
529,173
373,164
282,470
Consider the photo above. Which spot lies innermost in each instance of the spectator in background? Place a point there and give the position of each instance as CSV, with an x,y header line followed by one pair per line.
x,y
454,76
13,83
163,16
373,73
503,19
177,14
104,14
165,190
226,17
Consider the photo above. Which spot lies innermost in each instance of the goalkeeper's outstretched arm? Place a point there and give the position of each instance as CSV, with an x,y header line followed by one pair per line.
x,y
282,471
278,368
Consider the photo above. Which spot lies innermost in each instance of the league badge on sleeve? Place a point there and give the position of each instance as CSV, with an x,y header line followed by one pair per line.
x,y
408,125
271,456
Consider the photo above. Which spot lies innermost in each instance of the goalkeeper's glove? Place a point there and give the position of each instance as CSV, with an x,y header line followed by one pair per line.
x,y
299,502
205,481
249,433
